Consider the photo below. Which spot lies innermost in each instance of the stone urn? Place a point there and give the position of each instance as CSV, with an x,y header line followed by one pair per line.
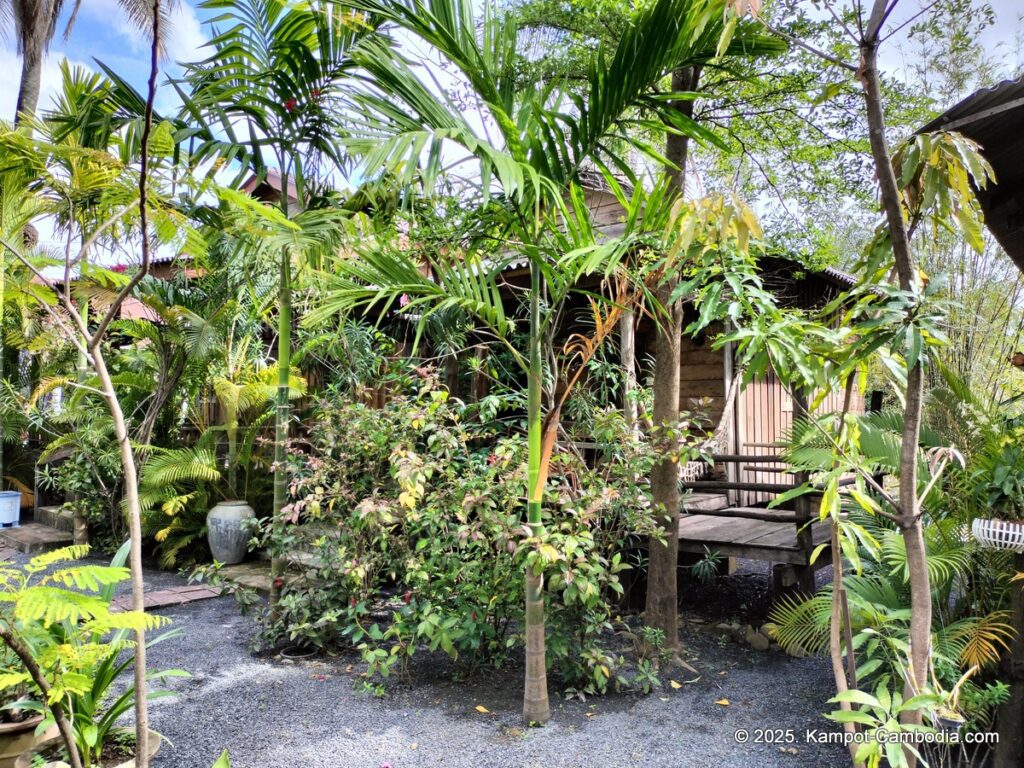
x,y
226,531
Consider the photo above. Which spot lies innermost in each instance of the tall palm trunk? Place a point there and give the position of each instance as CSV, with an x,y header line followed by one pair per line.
x,y
31,77
536,708
662,604
283,410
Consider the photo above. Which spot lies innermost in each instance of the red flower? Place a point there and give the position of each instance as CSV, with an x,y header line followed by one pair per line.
x,y
278,582
492,459
119,268
408,598
290,105
473,616
352,602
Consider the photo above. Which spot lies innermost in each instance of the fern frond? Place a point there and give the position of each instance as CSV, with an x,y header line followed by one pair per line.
x,y
801,625
64,554
128,620
175,465
13,679
51,605
88,577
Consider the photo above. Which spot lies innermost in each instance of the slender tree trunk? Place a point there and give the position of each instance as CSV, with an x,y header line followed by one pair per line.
x,y
662,607
283,413
231,422
906,268
1009,753
536,708
627,346
134,510
835,637
31,79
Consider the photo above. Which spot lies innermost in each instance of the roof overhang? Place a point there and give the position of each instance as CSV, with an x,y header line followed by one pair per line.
x,y
994,118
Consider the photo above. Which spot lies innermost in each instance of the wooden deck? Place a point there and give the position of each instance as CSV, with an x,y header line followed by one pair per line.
x,y
752,539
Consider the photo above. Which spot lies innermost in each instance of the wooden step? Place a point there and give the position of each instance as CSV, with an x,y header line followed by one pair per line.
x,y
703,502
32,538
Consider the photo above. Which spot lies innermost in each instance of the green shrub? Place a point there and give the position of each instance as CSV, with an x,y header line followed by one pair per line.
x,y
407,524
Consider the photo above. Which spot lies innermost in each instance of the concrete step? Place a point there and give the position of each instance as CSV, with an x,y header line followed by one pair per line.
x,y
55,517
32,538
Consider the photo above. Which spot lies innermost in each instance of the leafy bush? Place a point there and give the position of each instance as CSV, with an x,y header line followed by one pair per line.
x,y
406,532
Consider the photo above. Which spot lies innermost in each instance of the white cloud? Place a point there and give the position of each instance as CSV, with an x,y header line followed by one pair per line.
x,y
10,80
184,38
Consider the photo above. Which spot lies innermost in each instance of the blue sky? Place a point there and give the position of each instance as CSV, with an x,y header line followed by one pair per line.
x,y
102,32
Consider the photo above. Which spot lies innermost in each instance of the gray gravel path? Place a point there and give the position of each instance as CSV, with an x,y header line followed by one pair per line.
x,y
273,714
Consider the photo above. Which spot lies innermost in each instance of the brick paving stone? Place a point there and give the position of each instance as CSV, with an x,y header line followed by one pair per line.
x,y
164,598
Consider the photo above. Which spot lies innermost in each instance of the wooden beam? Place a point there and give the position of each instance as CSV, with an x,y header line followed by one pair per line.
x,y
725,485
753,513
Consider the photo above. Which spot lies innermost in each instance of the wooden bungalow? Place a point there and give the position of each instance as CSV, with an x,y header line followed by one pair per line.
x,y
725,509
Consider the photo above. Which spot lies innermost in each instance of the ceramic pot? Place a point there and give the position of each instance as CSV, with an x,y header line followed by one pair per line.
x,y
25,758
226,532
15,738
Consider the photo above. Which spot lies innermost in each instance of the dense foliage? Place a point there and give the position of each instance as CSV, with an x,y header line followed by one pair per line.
x,y
405,525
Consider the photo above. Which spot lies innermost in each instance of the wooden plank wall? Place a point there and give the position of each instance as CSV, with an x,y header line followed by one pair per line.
x,y
764,416
702,380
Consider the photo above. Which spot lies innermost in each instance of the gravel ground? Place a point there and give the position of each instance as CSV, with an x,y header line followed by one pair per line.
x,y
278,714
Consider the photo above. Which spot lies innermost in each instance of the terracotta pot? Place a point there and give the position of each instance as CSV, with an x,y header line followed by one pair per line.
x,y
226,533
25,758
15,738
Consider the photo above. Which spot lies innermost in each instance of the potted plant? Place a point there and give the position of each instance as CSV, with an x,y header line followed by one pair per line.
x,y
998,480
19,728
69,650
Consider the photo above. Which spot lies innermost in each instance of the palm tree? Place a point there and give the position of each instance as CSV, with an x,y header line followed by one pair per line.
x,y
267,100
545,137
35,23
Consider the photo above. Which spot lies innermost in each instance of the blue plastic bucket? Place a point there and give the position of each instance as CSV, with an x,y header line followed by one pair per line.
x,y
10,507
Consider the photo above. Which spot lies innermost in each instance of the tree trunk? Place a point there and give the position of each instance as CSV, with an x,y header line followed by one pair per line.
x,y
134,511
2,352
283,411
662,606
906,268
31,79
536,708
627,346
1009,752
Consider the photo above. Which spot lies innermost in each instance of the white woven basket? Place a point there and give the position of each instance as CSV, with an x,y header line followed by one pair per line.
x,y
998,534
